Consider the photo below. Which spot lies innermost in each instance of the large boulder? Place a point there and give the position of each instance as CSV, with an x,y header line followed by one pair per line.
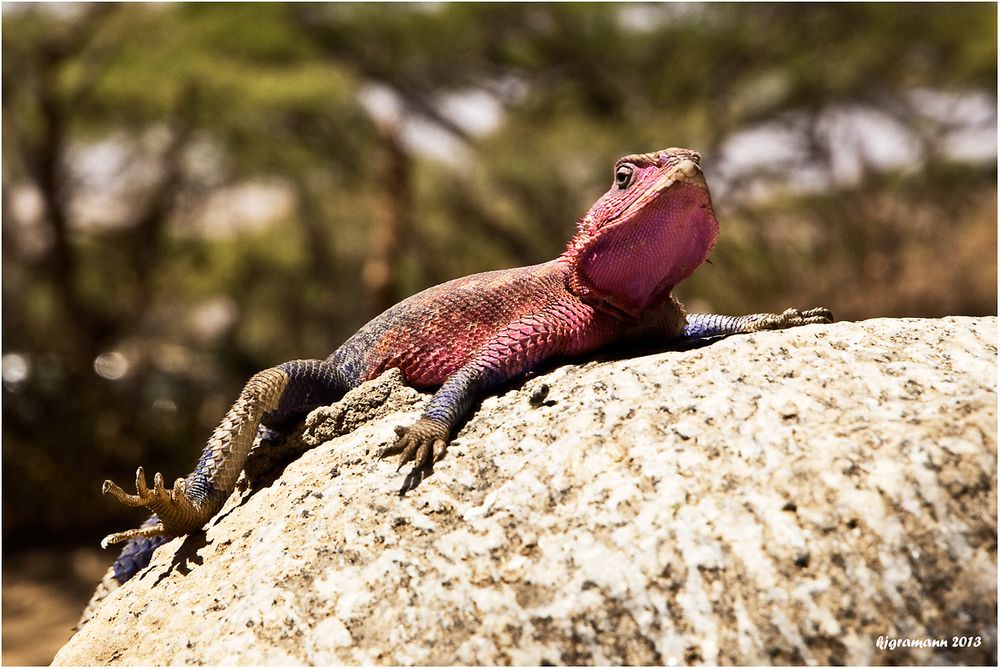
x,y
825,494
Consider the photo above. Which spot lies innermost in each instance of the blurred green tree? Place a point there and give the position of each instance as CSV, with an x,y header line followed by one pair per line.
x,y
193,192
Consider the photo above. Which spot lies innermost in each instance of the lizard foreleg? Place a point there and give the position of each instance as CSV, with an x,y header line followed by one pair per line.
x,y
715,325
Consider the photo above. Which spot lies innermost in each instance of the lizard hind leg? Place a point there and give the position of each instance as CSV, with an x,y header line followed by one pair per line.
x,y
274,394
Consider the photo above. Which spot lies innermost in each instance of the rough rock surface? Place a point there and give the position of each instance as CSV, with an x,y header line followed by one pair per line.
x,y
784,497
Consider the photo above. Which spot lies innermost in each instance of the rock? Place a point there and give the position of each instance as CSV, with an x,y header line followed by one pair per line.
x,y
823,495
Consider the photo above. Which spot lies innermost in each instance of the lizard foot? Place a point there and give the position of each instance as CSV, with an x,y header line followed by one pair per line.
x,y
177,514
424,442
791,318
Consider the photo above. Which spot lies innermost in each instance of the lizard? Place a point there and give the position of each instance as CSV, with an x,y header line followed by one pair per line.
x,y
466,337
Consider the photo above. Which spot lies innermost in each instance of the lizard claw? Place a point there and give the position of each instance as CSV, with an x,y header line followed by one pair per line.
x,y
143,497
791,318
177,514
424,442
816,315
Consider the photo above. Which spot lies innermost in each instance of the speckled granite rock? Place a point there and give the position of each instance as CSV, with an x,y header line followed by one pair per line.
x,y
774,498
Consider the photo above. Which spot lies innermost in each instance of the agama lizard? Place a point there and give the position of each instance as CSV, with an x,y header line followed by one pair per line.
x,y
613,283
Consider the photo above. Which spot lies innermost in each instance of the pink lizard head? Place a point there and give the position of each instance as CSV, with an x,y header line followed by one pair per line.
x,y
645,235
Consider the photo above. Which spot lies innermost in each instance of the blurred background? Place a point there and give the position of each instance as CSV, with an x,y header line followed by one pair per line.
x,y
192,193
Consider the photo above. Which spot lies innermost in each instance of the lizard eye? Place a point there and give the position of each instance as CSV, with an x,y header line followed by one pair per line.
x,y
623,176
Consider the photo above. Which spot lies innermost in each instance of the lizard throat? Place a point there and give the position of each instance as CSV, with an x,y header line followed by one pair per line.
x,y
634,263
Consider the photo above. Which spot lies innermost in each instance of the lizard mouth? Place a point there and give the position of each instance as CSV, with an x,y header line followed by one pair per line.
x,y
655,244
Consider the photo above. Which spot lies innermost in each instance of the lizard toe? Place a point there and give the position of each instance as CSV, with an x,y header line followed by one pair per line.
x,y
177,513
791,318
818,315
408,447
143,496
149,531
